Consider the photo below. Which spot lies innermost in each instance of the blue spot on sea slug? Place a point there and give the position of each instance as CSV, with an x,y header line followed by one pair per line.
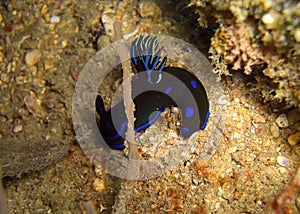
x,y
185,129
189,111
168,90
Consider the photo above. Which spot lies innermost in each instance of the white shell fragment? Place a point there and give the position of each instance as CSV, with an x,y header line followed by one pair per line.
x,y
222,100
55,19
282,161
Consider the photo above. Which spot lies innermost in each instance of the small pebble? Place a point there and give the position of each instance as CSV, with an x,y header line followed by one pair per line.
x,y
282,161
33,57
54,19
236,100
99,185
294,139
195,181
297,34
4,77
222,100
282,121
283,170
38,82
33,104
18,128
258,119
64,43
243,99
275,132
44,9
242,111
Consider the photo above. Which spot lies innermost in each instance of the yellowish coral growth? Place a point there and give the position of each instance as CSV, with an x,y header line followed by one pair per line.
x,y
237,45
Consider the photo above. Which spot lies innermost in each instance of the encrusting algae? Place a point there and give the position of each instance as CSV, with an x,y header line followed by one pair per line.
x,y
261,36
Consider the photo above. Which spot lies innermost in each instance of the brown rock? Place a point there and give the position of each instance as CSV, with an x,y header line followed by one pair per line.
x,y
294,139
282,121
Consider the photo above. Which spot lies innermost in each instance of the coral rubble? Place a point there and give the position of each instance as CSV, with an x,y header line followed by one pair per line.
x,y
261,36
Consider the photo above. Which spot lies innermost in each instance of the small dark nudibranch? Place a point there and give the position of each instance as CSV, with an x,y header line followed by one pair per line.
x,y
160,91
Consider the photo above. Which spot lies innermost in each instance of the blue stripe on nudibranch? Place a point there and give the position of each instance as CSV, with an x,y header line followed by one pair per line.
x,y
117,147
202,127
120,131
146,125
146,56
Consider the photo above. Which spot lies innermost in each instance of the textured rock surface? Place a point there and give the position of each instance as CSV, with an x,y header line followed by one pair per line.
x,y
242,176
259,37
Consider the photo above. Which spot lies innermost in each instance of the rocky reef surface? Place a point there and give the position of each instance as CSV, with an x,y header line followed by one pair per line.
x,y
260,38
45,44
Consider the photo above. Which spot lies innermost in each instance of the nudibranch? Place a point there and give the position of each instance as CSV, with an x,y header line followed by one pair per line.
x,y
154,88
